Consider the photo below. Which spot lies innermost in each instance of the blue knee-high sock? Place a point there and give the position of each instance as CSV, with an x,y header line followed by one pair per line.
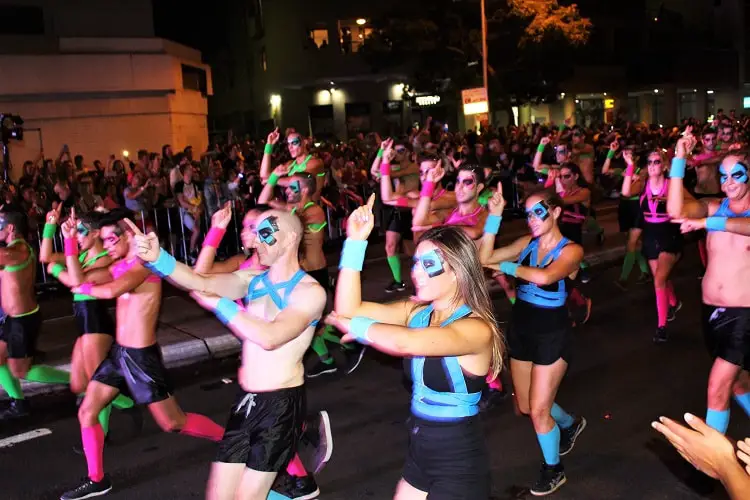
x,y
744,401
563,419
550,444
718,419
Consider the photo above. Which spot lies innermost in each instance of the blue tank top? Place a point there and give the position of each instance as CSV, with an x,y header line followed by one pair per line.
x,y
725,211
548,296
441,406
271,289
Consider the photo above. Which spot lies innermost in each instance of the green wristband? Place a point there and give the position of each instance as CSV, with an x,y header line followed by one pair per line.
x,y
540,148
49,230
268,149
57,268
273,179
610,154
380,153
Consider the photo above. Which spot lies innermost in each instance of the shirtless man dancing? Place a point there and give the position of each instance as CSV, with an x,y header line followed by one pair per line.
x,y
283,307
302,161
134,363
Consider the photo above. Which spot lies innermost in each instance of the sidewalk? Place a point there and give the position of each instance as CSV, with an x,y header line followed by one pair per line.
x,y
188,334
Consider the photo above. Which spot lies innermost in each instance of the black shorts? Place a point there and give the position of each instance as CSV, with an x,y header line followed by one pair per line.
x,y
448,460
322,277
658,238
92,317
727,333
137,372
629,215
539,334
20,334
574,232
263,429
398,220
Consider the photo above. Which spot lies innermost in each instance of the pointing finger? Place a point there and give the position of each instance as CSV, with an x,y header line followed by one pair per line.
x,y
133,227
371,202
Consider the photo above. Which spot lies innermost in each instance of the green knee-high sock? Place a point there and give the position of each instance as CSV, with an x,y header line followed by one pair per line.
x,y
10,383
104,418
627,265
642,262
47,375
583,264
394,261
321,349
328,335
123,402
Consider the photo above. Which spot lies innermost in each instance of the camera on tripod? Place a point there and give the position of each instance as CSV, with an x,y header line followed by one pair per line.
x,y
11,127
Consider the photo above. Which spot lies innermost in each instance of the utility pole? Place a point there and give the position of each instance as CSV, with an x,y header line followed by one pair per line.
x,y
484,60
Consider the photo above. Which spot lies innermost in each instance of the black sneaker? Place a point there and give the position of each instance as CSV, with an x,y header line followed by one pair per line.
x,y
316,444
354,356
396,286
17,408
320,368
584,274
568,436
89,489
550,479
296,488
661,335
672,314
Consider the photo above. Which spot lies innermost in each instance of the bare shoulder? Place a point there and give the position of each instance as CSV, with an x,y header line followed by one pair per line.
x,y
572,250
308,294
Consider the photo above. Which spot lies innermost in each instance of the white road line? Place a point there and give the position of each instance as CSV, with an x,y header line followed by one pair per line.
x,y
26,436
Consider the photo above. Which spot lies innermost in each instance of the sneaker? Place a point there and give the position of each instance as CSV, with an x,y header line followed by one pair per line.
x,y
295,488
661,335
316,443
584,274
568,436
89,489
672,314
550,479
396,286
354,356
17,408
320,368
621,284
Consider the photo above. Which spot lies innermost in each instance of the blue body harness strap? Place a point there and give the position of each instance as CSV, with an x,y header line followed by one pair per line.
x,y
268,288
441,406
531,292
725,211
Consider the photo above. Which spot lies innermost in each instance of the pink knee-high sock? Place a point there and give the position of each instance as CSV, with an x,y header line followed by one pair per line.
x,y
295,467
93,448
494,383
202,427
662,306
670,294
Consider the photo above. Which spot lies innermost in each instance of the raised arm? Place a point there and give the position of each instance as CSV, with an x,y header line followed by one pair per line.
x,y
538,167
679,202
631,184
266,196
423,216
610,154
495,207
265,163
47,253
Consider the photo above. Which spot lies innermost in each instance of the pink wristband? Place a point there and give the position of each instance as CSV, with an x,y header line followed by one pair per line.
x,y
402,202
85,289
630,170
71,247
385,168
428,189
213,238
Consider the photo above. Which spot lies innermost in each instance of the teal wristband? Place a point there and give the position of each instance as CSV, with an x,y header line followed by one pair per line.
x,y
49,230
540,148
57,268
268,149
273,179
380,153
226,310
716,223
678,168
353,254
492,225
509,268
164,264
359,327
610,154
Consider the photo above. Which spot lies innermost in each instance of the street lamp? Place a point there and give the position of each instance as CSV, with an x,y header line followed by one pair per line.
x,y
361,21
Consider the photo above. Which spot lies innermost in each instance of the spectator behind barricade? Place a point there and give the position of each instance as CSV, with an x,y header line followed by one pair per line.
x,y
87,199
159,182
63,190
215,190
190,200
167,158
111,200
134,194
175,174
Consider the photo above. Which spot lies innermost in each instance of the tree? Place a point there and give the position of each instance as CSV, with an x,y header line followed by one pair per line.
x,y
531,44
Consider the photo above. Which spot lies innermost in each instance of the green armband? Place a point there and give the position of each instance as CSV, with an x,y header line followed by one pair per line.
x,y
49,230
57,268
610,154
273,179
268,149
540,148
562,128
380,153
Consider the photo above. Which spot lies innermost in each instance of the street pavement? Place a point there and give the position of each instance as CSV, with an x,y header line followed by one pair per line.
x,y
618,379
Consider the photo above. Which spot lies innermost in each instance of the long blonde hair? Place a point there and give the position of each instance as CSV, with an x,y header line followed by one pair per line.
x,y
460,253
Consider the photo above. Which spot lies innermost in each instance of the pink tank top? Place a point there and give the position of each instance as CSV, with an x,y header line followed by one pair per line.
x,y
457,219
651,212
123,265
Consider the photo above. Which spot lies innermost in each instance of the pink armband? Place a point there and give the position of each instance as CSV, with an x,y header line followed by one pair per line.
x,y
428,189
71,247
385,168
213,238
85,289
402,202
630,171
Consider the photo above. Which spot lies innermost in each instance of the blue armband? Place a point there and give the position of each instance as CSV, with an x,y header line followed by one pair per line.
x,y
509,268
492,225
716,223
353,254
678,168
163,265
359,327
226,310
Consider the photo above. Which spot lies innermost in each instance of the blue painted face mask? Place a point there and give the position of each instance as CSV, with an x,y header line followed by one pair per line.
x,y
266,230
82,229
294,142
540,210
738,172
294,187
431,262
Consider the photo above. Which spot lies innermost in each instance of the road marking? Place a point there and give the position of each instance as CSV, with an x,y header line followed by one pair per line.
x,y
26,436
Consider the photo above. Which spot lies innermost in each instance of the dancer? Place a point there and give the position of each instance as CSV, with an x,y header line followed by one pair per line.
x,y
20,330
220,220
707,181
662,241
95,326
540,330
302,161
313,261
450,343
283,305
134,363
726,296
